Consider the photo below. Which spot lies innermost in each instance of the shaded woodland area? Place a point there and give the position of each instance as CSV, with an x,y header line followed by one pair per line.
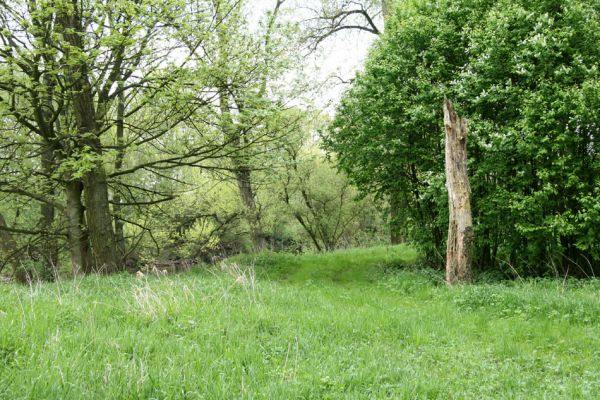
x,y
140,133
165,132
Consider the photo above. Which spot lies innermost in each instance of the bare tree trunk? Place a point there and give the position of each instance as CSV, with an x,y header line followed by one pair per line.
x,y
8,247
99,221
77,233
460,228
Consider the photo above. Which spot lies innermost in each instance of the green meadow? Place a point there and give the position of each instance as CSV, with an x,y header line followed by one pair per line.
x,y
357,324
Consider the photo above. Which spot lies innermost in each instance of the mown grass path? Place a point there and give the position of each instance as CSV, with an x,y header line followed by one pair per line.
x,y
347,325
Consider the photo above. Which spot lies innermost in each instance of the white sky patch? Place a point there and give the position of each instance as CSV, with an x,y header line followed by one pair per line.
x,y
337,59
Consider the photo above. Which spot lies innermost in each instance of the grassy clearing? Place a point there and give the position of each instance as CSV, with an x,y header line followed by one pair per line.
x,y
348,325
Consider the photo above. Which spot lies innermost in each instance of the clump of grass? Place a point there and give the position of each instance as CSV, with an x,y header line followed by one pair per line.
x,y
242,275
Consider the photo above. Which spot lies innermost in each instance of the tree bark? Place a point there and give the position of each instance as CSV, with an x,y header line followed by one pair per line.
x,y
251,210
99,220
120,133
77,233
460,228
8,246
49,248
397,230
385,10
242,173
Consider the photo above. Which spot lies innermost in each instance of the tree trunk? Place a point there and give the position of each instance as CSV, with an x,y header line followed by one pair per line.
x,y
242,174
460,228
234,136
397,229
99,220
8,247
49,246
120,133
386,10
77,233
252,214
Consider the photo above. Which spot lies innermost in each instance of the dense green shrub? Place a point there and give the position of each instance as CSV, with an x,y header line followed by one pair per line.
x,y
525,73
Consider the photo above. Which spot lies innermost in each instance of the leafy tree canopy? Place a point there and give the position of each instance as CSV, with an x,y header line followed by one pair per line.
x,y
525,73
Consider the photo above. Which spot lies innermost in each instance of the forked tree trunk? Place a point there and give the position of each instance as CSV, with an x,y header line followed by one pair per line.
x,y
460,227
97,206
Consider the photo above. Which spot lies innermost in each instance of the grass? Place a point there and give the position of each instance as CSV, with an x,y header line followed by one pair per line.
x,y
360,324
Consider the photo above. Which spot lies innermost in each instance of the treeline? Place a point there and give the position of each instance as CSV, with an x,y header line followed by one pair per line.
x,y
143,131
171,131
525,74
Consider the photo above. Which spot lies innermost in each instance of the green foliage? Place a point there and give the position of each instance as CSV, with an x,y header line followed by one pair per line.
x,y
386,133
186,95
535,126
299,333
526,76
320,199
